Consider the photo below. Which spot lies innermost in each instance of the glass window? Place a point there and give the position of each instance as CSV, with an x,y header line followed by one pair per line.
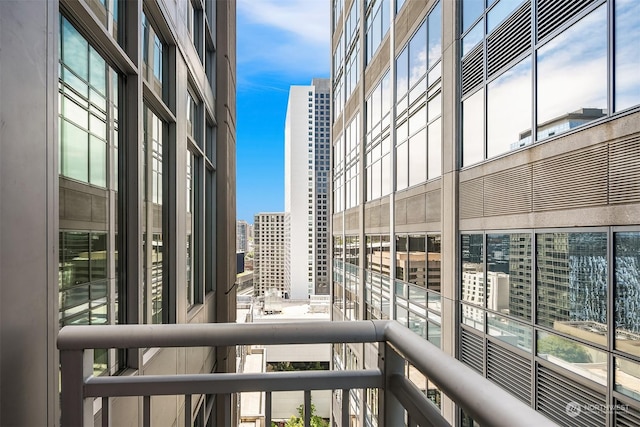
x,y
402,166
627,54
434,155
473,129
417,157
433,262
499,12
471,10
573,356
418,55
627,377
514,333
435,34
472,38
473,269
402,72
572,283
572,82
417,260
627,291
509,104
401,257
509,271
190,229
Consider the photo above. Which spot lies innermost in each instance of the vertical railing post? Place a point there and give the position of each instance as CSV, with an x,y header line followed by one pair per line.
x,y
267,409
75,367
393,363
307,408
345,408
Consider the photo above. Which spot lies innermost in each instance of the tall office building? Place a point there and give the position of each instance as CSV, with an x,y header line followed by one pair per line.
x,y
117,166
485,172
306,179
269,261
243,233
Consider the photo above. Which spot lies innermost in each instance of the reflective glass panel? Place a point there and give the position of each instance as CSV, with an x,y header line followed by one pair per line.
x,y
500,11
509,274
473,316
572,76
418,158
627,291
433,262
627,378
417,260
572,284
509,110
627,54
510,331
418,55
434,155
471,9
472,39
473,269
573,356
435,34
473,129
402,73
402,166
401,257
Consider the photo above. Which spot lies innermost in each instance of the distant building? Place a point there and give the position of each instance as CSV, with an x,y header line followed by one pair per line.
x,y
269,253
243,233
307,152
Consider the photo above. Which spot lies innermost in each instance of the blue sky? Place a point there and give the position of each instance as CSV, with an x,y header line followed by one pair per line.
x,y
279,43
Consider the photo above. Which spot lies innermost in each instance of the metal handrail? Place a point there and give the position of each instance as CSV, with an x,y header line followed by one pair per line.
x,y
480,398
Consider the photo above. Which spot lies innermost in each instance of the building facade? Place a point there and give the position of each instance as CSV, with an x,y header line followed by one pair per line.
x,y
126,165
269,262
243,233
306,149
516,251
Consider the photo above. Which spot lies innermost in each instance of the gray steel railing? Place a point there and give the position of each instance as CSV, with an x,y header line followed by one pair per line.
x,y
487,403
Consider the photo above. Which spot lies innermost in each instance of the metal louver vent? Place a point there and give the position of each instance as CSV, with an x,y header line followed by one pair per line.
x,y
471,351
471,196
509,40
627,417
572,180
624,175
433,206
472,69
555,393
554,13
517,183
510,371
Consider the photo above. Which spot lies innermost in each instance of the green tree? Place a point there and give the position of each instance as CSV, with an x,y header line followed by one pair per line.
x,y
564,349
298,421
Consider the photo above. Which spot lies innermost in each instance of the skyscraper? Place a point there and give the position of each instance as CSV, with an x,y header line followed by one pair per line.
x,y
306,187
118,125
269,269
508,132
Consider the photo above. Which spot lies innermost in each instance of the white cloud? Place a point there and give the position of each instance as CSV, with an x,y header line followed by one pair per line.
x,y
308,19
283,39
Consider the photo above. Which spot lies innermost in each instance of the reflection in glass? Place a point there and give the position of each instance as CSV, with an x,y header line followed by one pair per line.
x,y
471,9
472,39
500,11
402,166
573,356
509,274
627,377
417,158
401,257
473,316
627,54
417,260
473,129
572,76
435,34
572,283
514,333
433,262
434,154
472,269
627,291
509,110
402,72
418,55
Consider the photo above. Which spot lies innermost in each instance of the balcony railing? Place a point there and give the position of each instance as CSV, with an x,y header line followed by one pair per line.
x,y
487,403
